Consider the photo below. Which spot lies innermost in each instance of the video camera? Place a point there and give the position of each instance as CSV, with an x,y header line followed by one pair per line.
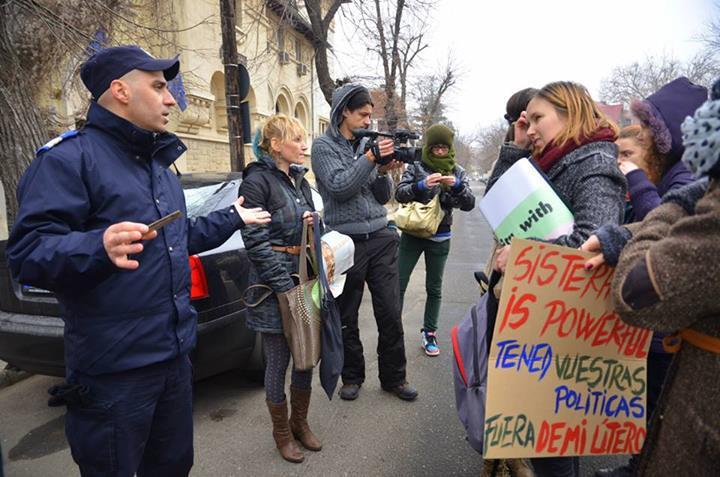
x,y
403,152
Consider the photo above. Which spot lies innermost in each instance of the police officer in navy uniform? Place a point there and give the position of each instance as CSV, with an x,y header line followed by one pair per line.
x,y
124,291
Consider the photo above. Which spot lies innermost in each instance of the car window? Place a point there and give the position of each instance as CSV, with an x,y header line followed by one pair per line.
x,y
200,201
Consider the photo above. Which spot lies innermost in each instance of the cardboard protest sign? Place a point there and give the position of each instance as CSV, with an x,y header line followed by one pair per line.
x,y
522,204
565,376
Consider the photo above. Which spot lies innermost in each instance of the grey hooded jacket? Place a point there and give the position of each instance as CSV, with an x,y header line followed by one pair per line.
x,y
588,179
353,194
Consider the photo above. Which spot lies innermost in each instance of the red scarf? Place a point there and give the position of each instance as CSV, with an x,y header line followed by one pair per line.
x,y
551,153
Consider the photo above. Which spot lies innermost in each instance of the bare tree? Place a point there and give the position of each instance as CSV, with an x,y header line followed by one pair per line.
x,y
43,43
395,31
35,41
639,80
429,92
412,43
320,22
711,36
467,152
489,140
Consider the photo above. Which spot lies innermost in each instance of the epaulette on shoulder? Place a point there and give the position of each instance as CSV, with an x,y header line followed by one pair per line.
x,y
55,141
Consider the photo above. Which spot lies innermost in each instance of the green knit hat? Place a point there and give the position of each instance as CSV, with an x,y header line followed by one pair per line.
x,y
439,134
434,135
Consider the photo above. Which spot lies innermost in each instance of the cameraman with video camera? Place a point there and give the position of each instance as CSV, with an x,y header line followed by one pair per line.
x,y
354,188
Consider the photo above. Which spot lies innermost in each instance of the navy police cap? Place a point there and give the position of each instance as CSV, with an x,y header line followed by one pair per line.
x,y
112,63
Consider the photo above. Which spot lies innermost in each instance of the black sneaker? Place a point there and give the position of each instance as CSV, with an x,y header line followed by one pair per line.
x,y
349,392
403,391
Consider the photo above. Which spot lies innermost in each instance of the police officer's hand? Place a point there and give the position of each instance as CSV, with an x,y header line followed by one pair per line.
x,y
251,216
120,240
386,148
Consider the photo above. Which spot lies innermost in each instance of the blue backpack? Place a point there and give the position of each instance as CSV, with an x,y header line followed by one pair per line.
x,y
471,339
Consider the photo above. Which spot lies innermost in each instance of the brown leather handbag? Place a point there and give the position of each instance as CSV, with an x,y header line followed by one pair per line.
x,y
300,315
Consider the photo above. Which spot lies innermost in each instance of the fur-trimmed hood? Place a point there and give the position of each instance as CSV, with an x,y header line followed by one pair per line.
x,y
664,111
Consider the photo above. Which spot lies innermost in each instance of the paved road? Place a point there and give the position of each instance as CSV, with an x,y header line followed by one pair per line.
x,y
377,435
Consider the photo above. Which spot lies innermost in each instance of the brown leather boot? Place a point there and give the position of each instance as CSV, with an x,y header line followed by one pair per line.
x,y
288,447
491,468
299,403
519,468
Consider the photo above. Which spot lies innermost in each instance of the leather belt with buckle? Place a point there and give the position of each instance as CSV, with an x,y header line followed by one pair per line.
x,y
292,249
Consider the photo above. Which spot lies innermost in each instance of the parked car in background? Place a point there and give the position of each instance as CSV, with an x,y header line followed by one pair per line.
x,y
31,332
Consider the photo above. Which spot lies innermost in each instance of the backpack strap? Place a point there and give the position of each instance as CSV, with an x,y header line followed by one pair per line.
x,y
492,304
458,356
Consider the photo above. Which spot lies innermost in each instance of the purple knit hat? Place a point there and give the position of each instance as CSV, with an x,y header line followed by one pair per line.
x,y
664,111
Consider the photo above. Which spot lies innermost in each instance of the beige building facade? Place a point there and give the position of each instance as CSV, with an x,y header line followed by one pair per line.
x,y
274,42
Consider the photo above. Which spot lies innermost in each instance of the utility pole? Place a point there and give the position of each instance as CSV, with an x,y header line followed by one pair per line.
x,y
232,84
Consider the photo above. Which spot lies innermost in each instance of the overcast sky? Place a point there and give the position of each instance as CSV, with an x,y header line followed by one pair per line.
x,y
502,46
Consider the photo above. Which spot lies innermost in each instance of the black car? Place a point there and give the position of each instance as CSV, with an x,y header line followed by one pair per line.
x,y
31,332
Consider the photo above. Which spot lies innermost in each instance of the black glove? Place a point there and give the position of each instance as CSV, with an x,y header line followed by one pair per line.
x,y
380,160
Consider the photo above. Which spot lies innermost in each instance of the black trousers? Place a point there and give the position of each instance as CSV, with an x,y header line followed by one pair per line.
x,y
376,263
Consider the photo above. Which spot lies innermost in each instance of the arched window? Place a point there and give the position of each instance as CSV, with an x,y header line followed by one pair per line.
x,y
302,115
217,88
282,105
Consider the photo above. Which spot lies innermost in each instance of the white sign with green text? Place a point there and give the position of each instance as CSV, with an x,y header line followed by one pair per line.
x,y
523,204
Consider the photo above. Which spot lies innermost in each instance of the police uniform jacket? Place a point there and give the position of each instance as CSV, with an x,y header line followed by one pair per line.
x,y
112,171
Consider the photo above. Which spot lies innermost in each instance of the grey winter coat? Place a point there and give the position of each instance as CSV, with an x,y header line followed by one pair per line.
x,y
587,179
352,191
667,279
458,197
267,187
